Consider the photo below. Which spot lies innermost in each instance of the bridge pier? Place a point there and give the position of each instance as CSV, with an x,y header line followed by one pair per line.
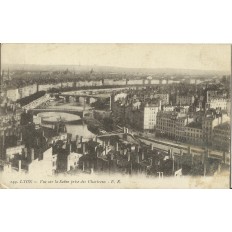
x,y
224,157
111,102
170,151
87,100
67,99
77,99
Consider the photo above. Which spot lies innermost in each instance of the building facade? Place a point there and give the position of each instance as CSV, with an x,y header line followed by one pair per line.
x,y
217,103
27,90
221,137
184,100
193,133
163,97
172,124
150,112
13,94
209,121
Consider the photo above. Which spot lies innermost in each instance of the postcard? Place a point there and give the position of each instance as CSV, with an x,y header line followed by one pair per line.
x,y
115,116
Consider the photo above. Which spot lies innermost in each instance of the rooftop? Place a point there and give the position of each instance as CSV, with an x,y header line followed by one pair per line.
x,y
223,126
197,125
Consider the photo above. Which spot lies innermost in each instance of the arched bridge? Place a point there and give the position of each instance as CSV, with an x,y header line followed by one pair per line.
x,y
87,97
63,110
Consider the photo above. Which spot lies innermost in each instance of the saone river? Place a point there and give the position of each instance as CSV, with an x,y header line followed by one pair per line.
x,y
74,124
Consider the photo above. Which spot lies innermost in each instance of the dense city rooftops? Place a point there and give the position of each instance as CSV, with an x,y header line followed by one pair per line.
x,y
223,126
172,114
196,125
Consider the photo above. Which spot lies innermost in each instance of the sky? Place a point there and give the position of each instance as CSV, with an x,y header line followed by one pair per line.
x,y
185,56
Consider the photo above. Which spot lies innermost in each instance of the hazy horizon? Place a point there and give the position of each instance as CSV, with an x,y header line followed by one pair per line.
x,y
129,56
71,67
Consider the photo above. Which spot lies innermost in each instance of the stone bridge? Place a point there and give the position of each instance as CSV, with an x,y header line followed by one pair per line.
x,y
64,110
86,97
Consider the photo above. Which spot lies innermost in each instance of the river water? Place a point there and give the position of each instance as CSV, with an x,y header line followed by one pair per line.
x,y
74,124
80,130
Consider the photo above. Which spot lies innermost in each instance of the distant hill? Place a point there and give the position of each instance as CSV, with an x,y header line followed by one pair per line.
x,y
112,69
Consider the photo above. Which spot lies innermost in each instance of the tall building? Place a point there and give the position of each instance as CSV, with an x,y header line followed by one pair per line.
x,y
184,99
13,94
27,90
214,94
209,121
221,137
217,103
172,124
150,112
164,97
193,133
142,115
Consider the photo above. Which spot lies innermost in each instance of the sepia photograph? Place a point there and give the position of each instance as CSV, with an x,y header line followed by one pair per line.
x,y
115,116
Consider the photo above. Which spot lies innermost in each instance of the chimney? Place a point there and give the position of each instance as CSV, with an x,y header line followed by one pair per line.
x,y
25,152
83,148
32,154
224,157
128,156
77,142
98,152
124,151
116,146
137,146
70,148
20,165
151,161
142,155
137,159
130,147
219,167
203,158
21,137
81,139
170,152
189,150
151,146
181,152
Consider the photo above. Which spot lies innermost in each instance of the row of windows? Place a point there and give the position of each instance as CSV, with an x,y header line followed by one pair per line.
x,y
180,132
195,130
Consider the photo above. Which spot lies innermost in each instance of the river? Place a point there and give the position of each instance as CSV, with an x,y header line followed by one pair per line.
x,y
74,124
80,130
